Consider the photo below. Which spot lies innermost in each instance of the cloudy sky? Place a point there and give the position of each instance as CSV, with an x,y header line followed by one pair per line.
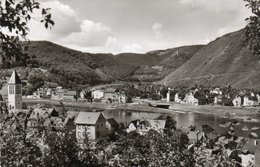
x,y
117,26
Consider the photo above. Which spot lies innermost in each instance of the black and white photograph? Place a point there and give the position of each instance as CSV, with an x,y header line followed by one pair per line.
x,y
129,83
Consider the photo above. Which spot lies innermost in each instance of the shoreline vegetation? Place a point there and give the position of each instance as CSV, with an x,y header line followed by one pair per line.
x,y
246,114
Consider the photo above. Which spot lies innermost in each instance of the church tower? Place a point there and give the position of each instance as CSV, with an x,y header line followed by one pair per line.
x,y
15,92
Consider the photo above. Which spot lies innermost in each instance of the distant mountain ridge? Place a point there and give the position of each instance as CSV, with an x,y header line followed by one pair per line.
x,y
71,66
223,61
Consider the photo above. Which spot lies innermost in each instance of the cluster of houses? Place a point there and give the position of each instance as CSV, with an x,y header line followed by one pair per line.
x,y
216,95
94,125
53,91
109,95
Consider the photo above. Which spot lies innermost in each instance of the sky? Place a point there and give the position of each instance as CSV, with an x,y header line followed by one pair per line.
x,y
116,26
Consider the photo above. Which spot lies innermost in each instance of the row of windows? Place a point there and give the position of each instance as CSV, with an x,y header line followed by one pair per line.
x,y
17,88
83,134
87,127
83,127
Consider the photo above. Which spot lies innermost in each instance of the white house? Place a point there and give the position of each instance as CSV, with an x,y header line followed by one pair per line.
x,y
15,92
92,124
190,99
97,94
177,99
237,101
250,101
122,98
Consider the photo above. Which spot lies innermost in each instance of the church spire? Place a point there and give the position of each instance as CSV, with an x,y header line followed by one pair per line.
x,y
14,79
15,92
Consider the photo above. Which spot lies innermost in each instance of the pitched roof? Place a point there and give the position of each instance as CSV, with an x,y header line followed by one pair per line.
x,y
110,90
112,122
42,113
14,79
87,118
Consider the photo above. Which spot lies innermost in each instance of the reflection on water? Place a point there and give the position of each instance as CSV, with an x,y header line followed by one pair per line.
x,y
183,120
127,116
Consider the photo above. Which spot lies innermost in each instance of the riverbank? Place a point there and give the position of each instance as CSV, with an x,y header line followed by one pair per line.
x,y
78,106
245,113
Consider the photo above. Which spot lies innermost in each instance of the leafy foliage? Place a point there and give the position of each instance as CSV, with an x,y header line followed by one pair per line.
x,y
61,149
252,30
151,149
14,18
15,147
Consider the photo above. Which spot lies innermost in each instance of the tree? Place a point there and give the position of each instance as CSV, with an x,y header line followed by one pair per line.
x,y
151,149
62,150
18,147
18,150
252,30
14,18
87,155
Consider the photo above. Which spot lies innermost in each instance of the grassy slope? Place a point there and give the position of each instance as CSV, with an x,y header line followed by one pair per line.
x,y
223,61
167,59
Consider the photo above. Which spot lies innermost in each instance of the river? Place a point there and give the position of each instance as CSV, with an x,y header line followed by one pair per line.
x,y
184,120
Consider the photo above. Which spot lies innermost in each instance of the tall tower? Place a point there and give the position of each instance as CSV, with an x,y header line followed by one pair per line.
x,y
15,92
168,95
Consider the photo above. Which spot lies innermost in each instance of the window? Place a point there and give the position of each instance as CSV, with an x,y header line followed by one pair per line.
x,y
18,89
11,89
79,134
79,127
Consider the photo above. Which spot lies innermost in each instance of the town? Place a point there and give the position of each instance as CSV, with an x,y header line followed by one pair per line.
x,y
135,83
94,126
127,93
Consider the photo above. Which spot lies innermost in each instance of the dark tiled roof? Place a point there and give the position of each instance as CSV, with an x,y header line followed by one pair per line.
x,y
15,79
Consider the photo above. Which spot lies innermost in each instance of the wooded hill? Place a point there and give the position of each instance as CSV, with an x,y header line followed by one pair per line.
x,y
70,67
227,60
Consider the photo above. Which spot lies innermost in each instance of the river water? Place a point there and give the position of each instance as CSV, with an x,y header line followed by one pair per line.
x,y
184,120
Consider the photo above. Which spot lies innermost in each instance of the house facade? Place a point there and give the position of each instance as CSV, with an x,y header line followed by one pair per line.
x,y
110,95
250,101
237,101
190,99
64,95
177,99
97,94
91,125
44,117
218,99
